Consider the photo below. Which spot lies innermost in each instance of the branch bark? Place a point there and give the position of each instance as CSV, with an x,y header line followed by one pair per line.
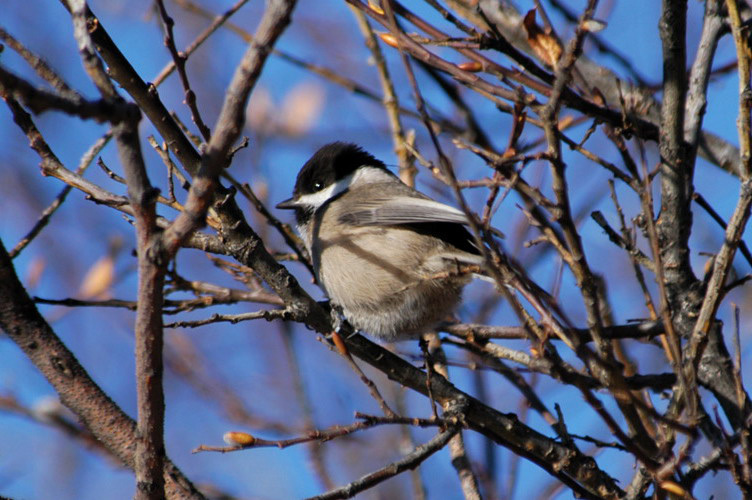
x,y
21,321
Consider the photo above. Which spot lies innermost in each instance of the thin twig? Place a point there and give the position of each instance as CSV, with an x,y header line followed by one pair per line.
x,y
179,60
410,461
460,460
268,315
372,389
322,435
700,200
48,212
39,65
390,101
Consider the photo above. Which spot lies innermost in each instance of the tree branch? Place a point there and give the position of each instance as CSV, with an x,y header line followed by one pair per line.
x,y
21,321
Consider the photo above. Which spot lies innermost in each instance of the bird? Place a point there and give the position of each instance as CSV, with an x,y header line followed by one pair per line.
x,y
392,260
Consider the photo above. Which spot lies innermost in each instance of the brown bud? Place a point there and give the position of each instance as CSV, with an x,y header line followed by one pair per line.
x,y
471,66
237,438
594,25
374,5
674,489
389,39
340,344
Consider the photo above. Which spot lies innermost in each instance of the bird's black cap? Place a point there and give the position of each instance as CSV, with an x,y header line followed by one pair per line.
x,y
331,163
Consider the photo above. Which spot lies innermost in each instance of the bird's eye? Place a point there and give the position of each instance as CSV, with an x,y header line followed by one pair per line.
x,y
317,186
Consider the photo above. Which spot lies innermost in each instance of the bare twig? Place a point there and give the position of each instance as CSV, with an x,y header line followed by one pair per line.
x,y
372,389
457,450
412,460
390,101
700,200
39,65
322,435
48,212
316,453
179,60
216,23
231,318
40,100
646,329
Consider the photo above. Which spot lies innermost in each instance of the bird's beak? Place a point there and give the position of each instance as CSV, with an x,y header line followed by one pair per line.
x,y
288,204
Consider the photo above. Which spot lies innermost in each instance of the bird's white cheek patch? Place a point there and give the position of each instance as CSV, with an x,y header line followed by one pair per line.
x,y
363,175
320,197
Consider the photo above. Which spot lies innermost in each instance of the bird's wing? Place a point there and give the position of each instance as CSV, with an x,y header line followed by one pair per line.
x,y
401,210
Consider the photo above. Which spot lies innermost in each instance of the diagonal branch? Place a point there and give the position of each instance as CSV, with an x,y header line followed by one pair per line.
x,y
21,321
410,461
229,124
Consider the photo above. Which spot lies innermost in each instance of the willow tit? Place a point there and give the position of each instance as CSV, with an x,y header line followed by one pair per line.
x,y
390,258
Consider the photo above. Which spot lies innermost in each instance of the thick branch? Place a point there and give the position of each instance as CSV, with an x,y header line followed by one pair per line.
x,y
40,100
574,469
21,321
149,341
675,220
